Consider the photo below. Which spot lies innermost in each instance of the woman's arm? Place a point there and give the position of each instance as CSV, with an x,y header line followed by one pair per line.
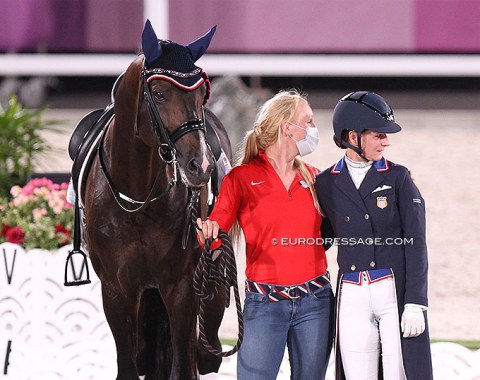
x,y
224,212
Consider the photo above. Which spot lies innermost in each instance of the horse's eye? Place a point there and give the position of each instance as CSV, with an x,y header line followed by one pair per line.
x,y
160,96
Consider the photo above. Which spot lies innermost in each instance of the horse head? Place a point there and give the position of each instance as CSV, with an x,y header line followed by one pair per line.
x,y
171,93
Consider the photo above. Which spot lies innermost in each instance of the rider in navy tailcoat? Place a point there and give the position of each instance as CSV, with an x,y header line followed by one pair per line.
x,y
380,223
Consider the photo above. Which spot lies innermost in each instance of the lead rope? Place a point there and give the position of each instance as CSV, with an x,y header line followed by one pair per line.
x,y
207,273
191,215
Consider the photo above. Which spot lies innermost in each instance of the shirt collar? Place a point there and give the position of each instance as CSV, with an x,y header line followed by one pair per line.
x,y
262,157
381,165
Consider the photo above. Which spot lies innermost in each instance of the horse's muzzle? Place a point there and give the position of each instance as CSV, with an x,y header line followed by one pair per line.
x,y
199,169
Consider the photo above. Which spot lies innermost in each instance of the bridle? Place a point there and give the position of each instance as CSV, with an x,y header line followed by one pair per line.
x,y
166,150
166,140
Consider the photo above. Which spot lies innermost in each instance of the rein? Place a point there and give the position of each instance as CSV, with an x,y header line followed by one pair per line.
x,y
218,279
118,196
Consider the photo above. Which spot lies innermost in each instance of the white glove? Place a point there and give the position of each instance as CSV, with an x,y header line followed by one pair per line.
x,y
413,321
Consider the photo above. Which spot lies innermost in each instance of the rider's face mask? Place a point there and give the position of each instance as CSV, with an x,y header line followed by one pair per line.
x,y
308,144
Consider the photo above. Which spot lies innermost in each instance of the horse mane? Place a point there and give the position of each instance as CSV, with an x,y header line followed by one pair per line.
x,y
128,94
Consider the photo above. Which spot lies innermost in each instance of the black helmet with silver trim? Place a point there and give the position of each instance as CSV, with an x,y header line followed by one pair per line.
x,y
359,111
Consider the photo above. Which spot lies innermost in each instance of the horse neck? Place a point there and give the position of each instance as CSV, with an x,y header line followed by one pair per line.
x,y
133,165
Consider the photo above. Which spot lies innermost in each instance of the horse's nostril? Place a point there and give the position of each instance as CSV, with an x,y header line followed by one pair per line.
x,y
193,166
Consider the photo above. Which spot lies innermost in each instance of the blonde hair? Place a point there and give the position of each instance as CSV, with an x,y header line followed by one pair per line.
x,y
266,129
281,108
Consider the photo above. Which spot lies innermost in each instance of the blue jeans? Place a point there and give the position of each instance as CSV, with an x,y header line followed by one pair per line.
x,y
304,325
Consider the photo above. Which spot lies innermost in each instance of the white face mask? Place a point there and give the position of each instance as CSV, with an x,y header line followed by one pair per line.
x,y
308,144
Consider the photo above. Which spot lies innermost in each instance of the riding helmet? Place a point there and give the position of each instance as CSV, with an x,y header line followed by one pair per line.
x,y
359,111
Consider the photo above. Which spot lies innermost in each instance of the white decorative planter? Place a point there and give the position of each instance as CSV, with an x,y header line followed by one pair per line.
x,y
53,331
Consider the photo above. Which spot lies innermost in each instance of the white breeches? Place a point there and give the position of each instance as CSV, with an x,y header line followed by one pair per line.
x,y
368,324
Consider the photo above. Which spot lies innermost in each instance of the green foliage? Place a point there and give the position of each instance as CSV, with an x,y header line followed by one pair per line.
x,y
20,143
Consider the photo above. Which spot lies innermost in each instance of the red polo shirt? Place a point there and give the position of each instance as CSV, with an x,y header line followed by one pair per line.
x,y
281,227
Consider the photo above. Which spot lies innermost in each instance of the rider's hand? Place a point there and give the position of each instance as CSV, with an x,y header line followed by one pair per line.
x,y
413,321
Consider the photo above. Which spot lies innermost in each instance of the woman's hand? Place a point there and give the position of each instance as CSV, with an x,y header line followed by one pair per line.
x,y
207,229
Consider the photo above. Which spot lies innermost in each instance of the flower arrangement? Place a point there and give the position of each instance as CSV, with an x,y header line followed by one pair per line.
x,y
37,216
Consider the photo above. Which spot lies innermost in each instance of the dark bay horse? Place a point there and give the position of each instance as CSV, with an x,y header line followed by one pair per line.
x,y
153,156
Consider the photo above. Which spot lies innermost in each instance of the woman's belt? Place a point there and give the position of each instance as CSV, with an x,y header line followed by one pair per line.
x,y
283,292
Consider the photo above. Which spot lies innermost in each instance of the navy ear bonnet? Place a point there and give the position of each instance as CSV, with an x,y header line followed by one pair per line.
x,y
173,62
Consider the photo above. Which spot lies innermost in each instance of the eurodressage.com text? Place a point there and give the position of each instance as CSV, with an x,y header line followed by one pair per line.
x,y
341,241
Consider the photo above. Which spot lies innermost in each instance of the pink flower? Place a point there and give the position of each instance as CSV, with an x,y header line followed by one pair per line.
x,y
20,200
15,191
30,187
39,182
38,213
27,190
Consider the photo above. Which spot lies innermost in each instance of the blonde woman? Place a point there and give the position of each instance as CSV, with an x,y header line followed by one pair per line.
x,y
289,299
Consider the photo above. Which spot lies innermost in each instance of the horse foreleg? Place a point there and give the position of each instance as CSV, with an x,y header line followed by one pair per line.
x,y
182,309
121,314
154,358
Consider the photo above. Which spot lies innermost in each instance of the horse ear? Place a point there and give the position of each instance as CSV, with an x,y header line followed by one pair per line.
x,y
200,46
150,46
